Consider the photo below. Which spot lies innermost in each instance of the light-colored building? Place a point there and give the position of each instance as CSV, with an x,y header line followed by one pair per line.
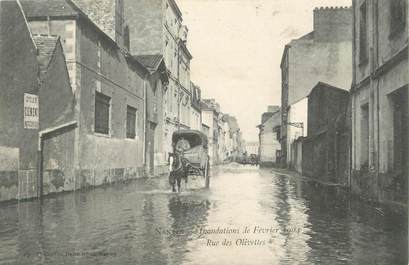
x,y
380,122
252,148
156,28
269,129
321,55
210,118
196,113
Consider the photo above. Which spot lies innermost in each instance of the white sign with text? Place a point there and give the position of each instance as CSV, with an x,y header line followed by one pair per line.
x,y
31,111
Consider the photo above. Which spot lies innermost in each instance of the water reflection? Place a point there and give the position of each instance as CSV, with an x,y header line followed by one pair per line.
x,y
143,223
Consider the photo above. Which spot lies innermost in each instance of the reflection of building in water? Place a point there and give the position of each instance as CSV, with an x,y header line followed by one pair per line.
x,y
186,216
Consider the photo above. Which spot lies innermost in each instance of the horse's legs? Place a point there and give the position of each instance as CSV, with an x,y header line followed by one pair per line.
x,y
178,180
172,182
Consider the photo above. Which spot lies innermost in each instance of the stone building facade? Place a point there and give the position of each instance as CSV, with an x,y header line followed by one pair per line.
x,y
380,137
110,88
321,55
156,28
210,119
196,113
270,148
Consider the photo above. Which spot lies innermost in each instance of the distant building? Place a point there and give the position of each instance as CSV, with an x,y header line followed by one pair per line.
x,y
210,118
234,139
324,153
380,122
269,129
196,113
252,148
321,55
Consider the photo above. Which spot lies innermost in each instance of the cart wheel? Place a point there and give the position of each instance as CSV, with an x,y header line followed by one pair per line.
x,y
206,174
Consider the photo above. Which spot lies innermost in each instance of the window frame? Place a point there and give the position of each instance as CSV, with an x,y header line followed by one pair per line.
x,y
397,24
363,33
105,100
131,112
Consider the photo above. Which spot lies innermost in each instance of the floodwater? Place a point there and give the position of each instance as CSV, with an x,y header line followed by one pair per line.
x,y
249,216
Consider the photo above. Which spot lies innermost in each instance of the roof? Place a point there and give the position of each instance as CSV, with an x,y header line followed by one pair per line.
x,y
151,62
46,50
325,85
60,9
203,105
52,8
176,9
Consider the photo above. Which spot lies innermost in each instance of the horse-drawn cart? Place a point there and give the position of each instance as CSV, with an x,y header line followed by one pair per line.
x,y
190,157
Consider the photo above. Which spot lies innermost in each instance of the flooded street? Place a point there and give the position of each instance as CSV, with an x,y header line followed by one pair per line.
x,y
249,216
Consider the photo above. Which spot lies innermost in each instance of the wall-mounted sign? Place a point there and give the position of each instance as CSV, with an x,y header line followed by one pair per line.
x,y
31,111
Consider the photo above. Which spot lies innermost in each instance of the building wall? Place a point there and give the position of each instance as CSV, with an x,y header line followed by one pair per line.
x,y
269,144
108,15
377,78
156,28
321,148
332,24
211,120
322,55
108,158
328,62
57,102
145,21
56,107
252,148
96,64
67,31
18,75
297,113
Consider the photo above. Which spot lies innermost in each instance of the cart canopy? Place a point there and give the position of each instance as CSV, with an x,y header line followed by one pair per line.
x,y
194,137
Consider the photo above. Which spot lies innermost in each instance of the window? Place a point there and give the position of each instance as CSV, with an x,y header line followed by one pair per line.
x,y
363,34
398,15
127,42
400,127
102,108
130,122
364,137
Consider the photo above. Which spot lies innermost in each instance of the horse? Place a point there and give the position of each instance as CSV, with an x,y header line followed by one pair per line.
x,y
179,171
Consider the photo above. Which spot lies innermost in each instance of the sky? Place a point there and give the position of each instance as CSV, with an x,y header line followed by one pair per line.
x,y
237,47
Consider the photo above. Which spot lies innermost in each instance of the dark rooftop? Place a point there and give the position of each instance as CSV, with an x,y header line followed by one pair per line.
x,y
44,8
46,49
151,62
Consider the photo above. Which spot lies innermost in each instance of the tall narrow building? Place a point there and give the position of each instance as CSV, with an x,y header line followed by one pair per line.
x,y
156,28
321,55
380,108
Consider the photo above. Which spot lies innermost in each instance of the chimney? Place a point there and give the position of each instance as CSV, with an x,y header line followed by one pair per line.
x,y
108,15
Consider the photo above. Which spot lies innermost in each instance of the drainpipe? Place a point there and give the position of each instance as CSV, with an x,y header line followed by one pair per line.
x,y
178,82
376,39
145,119
353,100
41,136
